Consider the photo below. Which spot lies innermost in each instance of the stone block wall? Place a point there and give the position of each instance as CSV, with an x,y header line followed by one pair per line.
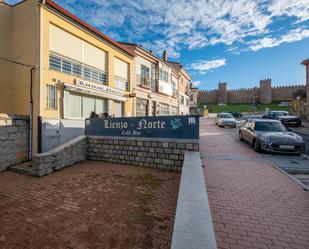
x,y
207,97
285,93
13,140
243,95
265,94
146,152
67,154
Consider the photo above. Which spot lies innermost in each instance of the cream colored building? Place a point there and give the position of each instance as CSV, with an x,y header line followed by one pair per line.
x,y
160,86
75,69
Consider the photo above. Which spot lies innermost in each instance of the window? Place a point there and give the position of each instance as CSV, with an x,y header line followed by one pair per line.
x,y
164,109
182,100
141,107
187,102
87,73
174,110
77,70
79,106
75,106
51,97
87,106
68,66
55,63
145,77
101,105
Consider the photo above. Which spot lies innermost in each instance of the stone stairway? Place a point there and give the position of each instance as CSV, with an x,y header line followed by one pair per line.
x,y
23,168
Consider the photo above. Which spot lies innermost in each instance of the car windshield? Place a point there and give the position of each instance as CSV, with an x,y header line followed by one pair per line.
x,y
269,126
226,115
277,114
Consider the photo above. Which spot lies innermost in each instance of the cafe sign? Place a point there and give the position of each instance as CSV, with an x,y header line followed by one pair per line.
x,y
177,127
93,89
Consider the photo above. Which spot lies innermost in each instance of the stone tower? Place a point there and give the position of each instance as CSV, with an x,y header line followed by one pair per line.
x,y
265,91
222,93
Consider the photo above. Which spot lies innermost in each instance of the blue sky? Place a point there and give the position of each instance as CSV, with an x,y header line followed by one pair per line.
x,y
239,41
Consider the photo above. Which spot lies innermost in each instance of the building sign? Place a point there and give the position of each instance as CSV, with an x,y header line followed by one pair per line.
x,y
97,87
95,90
178,127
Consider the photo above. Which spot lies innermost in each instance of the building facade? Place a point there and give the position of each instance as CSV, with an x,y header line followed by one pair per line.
x,y
57,69
160,87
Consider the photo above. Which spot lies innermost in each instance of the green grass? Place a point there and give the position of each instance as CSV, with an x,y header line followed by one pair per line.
x,y
243,107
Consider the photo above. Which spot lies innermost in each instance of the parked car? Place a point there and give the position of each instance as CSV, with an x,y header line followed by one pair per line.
x,y
225,119
235,114
285,118
270,135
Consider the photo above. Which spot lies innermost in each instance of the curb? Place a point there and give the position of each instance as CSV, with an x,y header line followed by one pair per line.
x,y
304,187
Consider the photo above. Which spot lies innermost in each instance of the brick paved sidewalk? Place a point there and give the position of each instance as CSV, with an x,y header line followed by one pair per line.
x,y
90,205
253,205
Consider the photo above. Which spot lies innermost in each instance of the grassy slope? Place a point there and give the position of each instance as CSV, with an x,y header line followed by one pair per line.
x,y
244,107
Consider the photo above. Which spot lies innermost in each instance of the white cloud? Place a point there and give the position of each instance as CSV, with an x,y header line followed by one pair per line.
x,y
202,66
196,83
269,42
174,25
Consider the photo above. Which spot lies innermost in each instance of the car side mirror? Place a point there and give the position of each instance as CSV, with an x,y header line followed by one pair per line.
x,y
289,129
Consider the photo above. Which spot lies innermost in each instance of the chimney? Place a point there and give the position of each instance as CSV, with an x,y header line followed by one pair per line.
x,y
164,55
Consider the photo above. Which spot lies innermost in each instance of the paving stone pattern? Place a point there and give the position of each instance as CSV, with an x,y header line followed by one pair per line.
x,y
162,154
13,142
253,205
90,205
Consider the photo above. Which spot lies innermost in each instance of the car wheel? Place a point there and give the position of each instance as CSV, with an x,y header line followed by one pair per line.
x,y
240,136
257,146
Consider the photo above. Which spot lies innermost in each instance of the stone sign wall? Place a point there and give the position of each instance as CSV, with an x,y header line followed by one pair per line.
x,y
13,140
147,152
180,127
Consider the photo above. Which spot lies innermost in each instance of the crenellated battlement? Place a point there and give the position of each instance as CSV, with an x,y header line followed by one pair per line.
x,y
289,86
265,93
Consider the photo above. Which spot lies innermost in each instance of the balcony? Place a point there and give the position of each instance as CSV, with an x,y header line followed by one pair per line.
x,y
143,82
122,84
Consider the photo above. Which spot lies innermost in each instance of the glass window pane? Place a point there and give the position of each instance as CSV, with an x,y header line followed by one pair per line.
x,y
66,67
77,70
87,73
118,108
88,106
54,63
74,106
95,76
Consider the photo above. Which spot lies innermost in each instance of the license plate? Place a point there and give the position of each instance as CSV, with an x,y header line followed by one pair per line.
x,y
286,147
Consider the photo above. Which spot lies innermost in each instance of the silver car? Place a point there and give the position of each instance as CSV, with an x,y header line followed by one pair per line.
x,y
225,119
270,135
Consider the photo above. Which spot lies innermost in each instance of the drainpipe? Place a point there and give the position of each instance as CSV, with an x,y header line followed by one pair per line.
x,y
31,115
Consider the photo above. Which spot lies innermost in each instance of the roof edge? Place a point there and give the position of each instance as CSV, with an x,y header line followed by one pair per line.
x,y
87,26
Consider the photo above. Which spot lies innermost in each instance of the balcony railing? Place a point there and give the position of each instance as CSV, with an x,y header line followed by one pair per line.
x,y
69,66
121,83
143,81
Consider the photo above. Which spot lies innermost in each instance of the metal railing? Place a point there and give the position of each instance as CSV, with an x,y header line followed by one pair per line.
x,y
143,81
69,66
121,83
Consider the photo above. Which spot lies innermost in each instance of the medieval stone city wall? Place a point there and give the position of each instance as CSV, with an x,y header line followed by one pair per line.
x,y
244,95
285,93
265,94
207,97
